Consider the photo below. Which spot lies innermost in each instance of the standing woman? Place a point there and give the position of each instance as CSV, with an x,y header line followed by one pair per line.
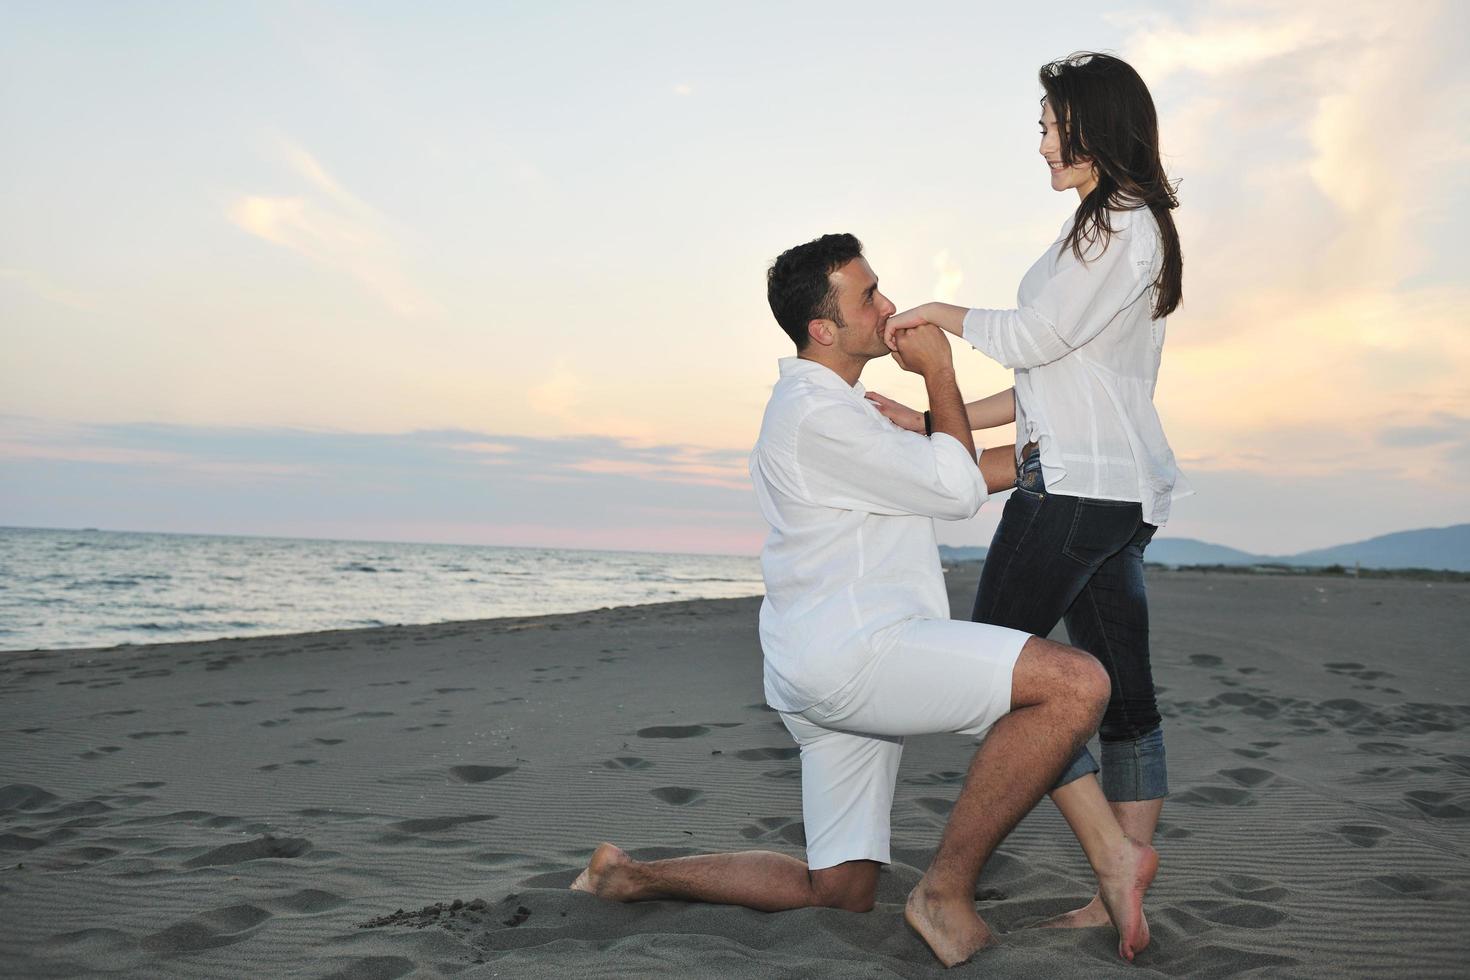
x,y
1096,475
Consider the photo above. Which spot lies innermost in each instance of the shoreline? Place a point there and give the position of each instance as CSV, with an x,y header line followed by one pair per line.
x,y
957,569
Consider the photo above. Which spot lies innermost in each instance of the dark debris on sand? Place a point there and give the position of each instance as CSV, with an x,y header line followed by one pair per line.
x,y
440,912
474,912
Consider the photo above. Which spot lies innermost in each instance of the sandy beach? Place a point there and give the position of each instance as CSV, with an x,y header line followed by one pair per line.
x,y
413,801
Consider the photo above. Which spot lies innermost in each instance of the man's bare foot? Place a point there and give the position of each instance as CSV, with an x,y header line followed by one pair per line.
x,y
607,875
1122,890
950,927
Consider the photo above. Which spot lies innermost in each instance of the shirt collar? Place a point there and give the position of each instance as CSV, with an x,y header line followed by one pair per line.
x,y
818,374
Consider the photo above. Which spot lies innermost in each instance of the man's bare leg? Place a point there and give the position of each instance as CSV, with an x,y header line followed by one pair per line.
x,y
1117,839
1057,698
761,880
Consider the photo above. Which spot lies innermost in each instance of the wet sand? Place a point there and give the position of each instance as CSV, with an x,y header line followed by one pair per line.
x,y
413,801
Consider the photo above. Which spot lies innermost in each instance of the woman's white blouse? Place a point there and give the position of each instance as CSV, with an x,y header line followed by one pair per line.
x,y
1086,355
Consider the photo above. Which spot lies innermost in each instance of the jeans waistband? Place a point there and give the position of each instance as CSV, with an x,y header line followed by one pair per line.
x,y
1028,474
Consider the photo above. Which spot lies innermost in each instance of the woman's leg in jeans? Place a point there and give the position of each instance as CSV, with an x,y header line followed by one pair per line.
x,y
1036,567
1110,619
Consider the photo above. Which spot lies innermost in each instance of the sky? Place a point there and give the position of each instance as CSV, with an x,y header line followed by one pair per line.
x,y
494,273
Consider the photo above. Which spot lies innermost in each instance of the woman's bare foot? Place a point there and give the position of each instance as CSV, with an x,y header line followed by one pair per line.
x,y
608,875
950,927
1122,889
1088,916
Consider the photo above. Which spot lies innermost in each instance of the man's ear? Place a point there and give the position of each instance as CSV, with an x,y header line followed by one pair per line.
x,y
822,331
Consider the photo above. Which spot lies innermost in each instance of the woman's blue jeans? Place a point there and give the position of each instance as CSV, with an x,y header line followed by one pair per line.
x,y
1057,557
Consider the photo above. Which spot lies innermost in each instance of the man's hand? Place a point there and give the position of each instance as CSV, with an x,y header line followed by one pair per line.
x,y
900,415
899,322
924,350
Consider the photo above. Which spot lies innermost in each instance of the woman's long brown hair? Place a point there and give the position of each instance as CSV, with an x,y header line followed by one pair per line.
x,y
1106,115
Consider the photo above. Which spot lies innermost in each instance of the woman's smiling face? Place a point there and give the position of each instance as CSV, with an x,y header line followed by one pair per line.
x,y
1080,175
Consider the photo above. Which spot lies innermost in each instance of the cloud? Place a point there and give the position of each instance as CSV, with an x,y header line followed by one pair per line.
x,y
39,285
1321,327
584,491
334,228
1441,428
1215,46
684,89
949,277
557,395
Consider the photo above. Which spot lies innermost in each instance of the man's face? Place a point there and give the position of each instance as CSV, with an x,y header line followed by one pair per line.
x,y
863,309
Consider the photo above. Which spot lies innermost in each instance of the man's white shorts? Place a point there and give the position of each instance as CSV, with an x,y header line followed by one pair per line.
x,y
927,676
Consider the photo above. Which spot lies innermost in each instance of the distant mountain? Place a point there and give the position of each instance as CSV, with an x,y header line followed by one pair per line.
x,y
1432,547
1188,551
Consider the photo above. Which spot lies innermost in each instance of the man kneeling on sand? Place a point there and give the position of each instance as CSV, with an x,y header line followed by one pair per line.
x,y
859,647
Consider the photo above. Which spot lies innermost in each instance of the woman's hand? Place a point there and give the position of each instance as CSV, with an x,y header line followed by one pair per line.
x,y
907,320
900,415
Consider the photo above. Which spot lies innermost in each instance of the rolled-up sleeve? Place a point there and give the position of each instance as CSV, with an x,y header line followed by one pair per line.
x,y
848,460
1073,307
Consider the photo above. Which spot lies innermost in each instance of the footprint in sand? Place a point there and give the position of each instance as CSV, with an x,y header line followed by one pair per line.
x,y
309,901
678,795
1440,806
254,850
1248,777
480,774
1405,885
1213,796
673,731
793,772
207,930
936,805
766,754
1171,831
101,950
941,777
1361,834
374,968
19,842
1242,915
1250,888
791,831
624,763
101,752
429,825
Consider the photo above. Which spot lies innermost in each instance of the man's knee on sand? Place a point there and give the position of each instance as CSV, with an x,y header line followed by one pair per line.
x,y
1049,672
851,886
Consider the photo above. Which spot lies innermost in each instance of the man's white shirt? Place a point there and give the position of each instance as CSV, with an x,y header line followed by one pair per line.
x,y
850,499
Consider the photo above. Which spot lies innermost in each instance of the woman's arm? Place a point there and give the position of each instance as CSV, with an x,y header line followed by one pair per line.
x,y
1071,308
993,410
985,413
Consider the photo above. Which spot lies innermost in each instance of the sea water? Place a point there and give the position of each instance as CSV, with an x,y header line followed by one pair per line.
x,y
100,588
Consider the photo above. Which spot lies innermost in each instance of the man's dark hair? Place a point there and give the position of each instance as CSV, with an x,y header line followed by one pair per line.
x,y
797,286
